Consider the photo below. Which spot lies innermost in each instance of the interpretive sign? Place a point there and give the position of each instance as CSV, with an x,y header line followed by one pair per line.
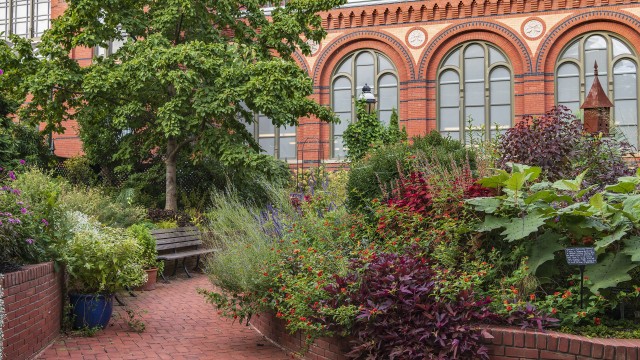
x,y
580,256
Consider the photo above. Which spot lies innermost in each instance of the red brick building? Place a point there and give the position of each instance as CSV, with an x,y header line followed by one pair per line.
x,y
444,64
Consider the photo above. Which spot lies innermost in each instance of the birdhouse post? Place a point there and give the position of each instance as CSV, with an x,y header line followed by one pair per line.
x,y
597,107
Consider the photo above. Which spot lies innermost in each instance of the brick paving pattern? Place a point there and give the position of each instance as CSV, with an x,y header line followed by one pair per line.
x,y
179,325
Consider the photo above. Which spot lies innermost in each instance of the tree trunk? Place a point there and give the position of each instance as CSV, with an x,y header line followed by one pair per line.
x,y
171,190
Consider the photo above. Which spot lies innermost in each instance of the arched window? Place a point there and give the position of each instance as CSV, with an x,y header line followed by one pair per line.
x,y
26,18
352,73
475,93
617,72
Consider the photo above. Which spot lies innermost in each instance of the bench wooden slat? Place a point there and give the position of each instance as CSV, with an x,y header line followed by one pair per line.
x,y
176,234
178,240
182,229
178,246
185,254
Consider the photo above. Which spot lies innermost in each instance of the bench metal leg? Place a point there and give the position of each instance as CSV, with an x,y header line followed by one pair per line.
x,y
175,268
197,264
164,278
184,265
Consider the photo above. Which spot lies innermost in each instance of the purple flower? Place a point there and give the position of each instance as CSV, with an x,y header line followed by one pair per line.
x,y
22,162
45,222
29,241
12,175
1,71
23,210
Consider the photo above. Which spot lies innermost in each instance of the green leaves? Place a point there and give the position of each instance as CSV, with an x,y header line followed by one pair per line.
x,y
611,270
519,228
543,250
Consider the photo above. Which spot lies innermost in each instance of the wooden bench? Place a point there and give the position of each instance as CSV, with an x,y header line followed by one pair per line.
x,y
179,243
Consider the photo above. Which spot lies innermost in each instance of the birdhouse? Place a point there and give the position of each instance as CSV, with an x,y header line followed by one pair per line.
x,y
596,107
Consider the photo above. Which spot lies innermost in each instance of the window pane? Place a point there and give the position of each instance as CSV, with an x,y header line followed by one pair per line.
x,y
568,83
495,56
590,59
346,66
385,116
449,119
450,95
474,51
388,98
449,76
630,133
345,119
455,135
453,59
338,147
619,48
474,69
477,116
626,112
265,127
364,58
287,147
568,69
572,51
500,73
267,145
595,42
474,93
287,130
625,86
500,115
500,92
384,64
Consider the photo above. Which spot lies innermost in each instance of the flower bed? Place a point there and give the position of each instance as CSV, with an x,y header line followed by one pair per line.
x,y
33,305
507,343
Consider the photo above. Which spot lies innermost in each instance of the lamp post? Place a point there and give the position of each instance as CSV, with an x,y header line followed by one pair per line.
x,y
368,97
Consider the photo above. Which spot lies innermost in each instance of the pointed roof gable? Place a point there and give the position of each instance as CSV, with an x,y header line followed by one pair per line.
x,y
597,97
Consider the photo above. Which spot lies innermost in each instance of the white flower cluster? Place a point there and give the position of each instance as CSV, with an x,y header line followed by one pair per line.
x,y
81,222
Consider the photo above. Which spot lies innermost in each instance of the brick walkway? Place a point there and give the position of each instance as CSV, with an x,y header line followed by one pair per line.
x,y
179,325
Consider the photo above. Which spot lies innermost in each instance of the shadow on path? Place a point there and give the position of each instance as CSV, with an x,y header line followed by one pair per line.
x,y
179,325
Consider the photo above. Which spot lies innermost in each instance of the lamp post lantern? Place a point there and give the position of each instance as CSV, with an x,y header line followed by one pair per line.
x,y
368,97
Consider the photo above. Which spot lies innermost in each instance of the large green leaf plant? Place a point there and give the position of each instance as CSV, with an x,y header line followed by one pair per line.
x,y
542,218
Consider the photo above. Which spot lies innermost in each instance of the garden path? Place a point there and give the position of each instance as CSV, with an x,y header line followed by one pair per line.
x,y
179,325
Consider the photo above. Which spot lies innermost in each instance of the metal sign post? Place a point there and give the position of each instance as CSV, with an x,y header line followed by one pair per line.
x,y
581,256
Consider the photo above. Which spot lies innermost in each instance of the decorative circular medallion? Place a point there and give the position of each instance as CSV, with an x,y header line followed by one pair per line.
x,y
314,46
533,29
416,37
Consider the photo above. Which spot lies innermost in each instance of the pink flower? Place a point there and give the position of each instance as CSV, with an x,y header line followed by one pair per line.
x,y
45,222
12,175
29,241
22,162
23,210
1,71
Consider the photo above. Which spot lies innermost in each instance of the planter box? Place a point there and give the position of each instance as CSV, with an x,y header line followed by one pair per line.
x,y
508,343
33,305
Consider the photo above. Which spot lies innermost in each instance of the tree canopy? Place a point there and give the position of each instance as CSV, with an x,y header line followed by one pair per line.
x,y
189,76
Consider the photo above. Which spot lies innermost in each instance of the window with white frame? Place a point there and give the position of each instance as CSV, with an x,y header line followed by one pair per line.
x,y
475,93
617,73
352,73
26,18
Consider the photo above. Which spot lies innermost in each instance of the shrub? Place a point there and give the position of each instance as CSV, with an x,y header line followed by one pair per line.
x,y
25,236
101,259
78,171
557,143
149,257
399,317
97,203
377,172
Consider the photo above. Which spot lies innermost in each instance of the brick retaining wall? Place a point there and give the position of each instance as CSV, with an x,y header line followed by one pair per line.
x,y
510,344
33,305
507,344
322,349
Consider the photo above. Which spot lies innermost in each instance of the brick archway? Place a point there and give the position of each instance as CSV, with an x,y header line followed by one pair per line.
x,y
509,42
621,23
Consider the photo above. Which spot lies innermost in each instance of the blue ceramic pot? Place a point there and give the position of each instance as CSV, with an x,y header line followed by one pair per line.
x,y
91,310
